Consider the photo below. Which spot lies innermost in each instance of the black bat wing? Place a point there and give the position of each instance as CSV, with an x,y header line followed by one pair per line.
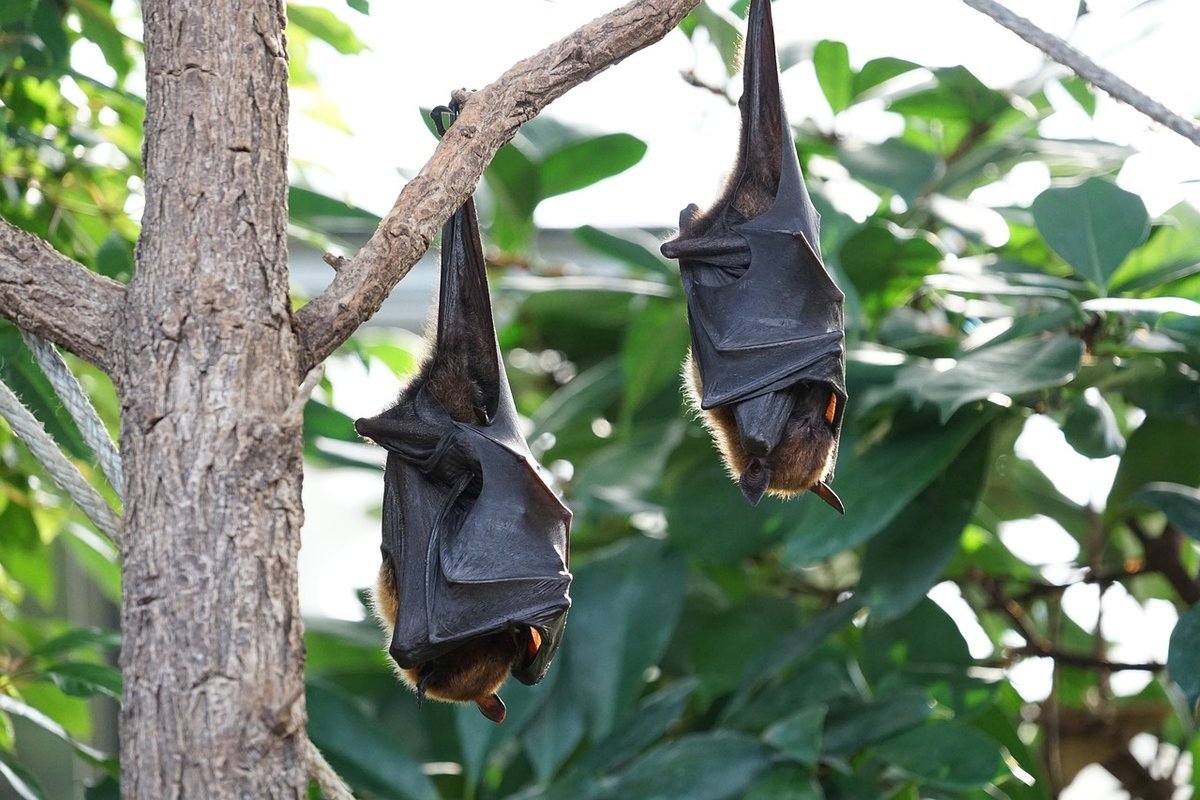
x,y
476,538
763,310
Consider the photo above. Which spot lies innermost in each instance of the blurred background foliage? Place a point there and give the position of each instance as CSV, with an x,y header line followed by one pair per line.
x,y
715,650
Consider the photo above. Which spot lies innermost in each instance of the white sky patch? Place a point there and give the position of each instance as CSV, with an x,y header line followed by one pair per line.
x,y
949,597
1082,480
1039,541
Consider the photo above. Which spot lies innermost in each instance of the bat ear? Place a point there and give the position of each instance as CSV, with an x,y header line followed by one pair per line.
x,y
754,481
492,707
823,491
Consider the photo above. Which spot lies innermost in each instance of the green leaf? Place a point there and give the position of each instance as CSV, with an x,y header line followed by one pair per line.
x,y
786,782
14,10
24,784
831,60
107,788
96,23
1152,455
360,749
798,736
1183,655
75,639
892,164
904,561
1171,254
944,754
851,728
580,164
875,482
880,70
1091,427
655,344
1081,91
321,420
1180,504
626,603
361,6
1012,368
81,679
638,249
887,265
1093,226
320,210
115,258
958,96
638,731
704,766
325,25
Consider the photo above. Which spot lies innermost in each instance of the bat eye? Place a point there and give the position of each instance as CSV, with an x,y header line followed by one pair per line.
x,y
831,409
533,644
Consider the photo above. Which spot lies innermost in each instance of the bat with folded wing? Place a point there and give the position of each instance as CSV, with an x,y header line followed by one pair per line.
x,y
767,363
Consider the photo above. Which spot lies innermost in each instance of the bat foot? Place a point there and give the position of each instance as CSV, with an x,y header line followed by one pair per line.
x,y
754,481
823,491
492,707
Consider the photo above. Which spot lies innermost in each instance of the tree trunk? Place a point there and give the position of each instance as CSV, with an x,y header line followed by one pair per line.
x,y
212,653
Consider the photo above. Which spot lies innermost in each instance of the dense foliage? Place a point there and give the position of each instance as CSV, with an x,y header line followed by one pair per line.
x,y
716,650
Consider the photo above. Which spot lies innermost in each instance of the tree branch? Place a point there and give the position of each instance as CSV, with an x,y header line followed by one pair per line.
x,y
49,295
1087,69
488,121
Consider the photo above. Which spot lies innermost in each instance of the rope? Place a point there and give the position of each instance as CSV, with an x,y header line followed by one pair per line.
x,y
1087,69
331,784
80,408
26,426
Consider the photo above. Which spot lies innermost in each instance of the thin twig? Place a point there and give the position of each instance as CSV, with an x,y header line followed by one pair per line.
x,y
331,784
1087,69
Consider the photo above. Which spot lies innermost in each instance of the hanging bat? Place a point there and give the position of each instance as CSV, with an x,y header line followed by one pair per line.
x,y
474,581
767,363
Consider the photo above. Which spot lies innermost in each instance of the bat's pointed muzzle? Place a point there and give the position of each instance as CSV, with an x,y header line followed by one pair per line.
x,y
754,481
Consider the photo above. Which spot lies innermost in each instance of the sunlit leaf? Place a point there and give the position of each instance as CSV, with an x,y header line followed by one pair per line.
x,y
892,164
880,70
831,60
583,163
1181,504
325,25
1093,226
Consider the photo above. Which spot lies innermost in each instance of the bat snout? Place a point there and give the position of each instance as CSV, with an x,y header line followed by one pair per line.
x,y
755,479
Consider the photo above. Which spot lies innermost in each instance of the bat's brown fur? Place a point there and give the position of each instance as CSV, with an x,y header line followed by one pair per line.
x,y
805,454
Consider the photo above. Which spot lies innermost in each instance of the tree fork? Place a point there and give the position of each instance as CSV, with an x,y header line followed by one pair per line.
x,y
212,651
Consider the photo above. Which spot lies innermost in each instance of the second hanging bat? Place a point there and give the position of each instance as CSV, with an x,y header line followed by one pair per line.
x,y
474,581
767,364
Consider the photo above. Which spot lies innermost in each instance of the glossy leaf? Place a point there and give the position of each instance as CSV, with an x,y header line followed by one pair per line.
x,y
326,26
1013,369
583,163
81,679
708,766
875,483
1171,254
831,60
878,71
786,782
1183,655
851,728
944,754
19,779
13,706
798,736
1093,226
360,750
1156,452
892,164
1091,427
77,639
903,562
1180,504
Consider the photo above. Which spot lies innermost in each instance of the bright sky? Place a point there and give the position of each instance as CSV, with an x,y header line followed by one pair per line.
x,y
421,51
